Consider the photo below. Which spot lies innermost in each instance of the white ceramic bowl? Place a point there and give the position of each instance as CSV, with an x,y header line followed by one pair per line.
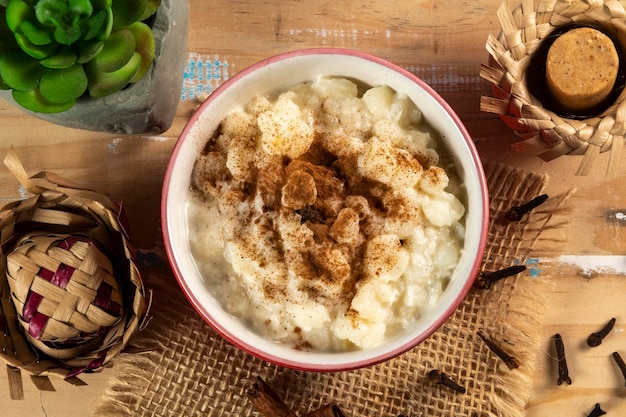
x,y
278,74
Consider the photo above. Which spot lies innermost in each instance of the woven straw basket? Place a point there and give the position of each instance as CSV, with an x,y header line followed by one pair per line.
x,y
543,132
71,294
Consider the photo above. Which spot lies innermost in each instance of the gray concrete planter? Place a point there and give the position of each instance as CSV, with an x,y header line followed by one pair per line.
x,y
147,106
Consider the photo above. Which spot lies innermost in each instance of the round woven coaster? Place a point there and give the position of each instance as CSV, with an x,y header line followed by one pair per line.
x,y
542,131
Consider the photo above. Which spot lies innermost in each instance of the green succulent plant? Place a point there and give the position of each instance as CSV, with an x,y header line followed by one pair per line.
x,y
52,52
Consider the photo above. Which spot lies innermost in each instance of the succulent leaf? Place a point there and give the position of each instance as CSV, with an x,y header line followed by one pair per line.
x,y
65,58
81,8
105,32
145,46
87,50
118,50
17,12
102,83
54,51
67,34
62,85
73,19
151,8
94,25
36,34
35,51
50,12
34,101
19,71
126,12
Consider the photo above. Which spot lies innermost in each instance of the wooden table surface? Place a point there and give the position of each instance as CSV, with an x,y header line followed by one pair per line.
x,y
442,42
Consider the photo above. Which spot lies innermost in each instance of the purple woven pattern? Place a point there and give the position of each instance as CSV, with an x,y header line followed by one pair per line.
x,y
64,288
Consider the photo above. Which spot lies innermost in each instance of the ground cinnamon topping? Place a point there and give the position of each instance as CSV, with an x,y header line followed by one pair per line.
x,y
321,208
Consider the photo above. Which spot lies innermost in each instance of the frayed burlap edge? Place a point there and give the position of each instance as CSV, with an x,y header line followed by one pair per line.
x,y
189,370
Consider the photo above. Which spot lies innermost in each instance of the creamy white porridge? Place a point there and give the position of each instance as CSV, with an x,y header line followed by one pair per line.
x,y
324,217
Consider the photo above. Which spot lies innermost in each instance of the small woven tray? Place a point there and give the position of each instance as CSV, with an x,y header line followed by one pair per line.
x,y
542,131
71,295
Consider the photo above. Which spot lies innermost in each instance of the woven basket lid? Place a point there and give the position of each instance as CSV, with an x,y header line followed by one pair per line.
x,y
64,289
66,251
543,132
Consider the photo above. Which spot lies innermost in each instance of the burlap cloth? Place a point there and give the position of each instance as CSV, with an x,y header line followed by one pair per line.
x,y
191,371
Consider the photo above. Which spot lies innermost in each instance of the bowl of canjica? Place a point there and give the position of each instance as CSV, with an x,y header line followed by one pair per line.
x,y
325,210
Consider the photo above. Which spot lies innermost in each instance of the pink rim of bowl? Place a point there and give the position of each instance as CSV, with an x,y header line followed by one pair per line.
x,y
275,75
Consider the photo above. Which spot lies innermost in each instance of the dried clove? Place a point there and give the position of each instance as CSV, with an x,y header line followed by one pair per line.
x,y
620,363
439,377
485,279
510,361
517,212
595,339
597,411
560,355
